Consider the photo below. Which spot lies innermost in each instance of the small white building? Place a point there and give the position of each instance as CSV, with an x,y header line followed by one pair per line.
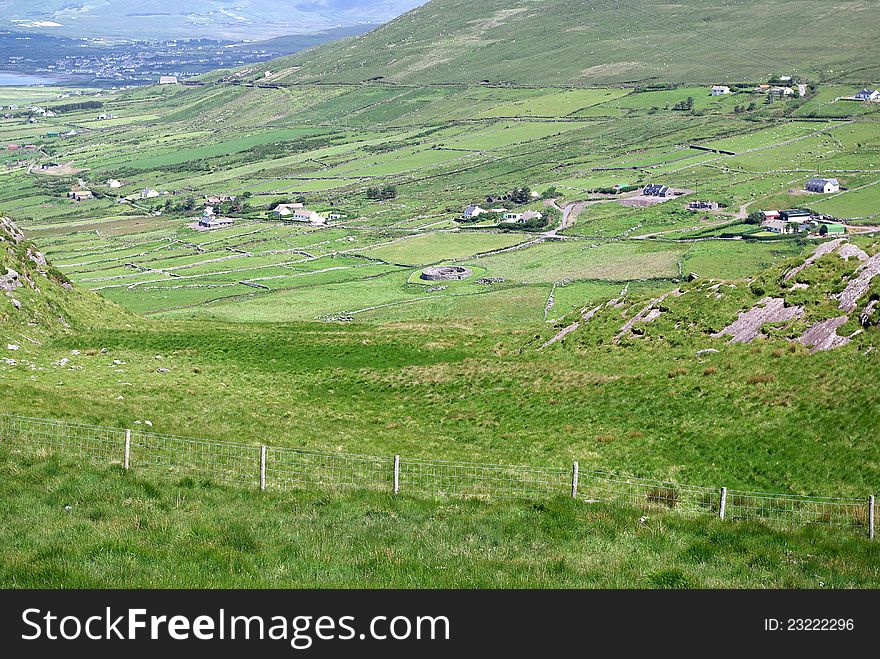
x,y
868,95
113,183
210,222
167,80
305,215
781,92
511,217
720,90
285,210
822,185
149,193
473,211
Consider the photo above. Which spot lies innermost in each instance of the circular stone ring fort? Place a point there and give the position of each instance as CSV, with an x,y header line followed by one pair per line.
x,y
446,273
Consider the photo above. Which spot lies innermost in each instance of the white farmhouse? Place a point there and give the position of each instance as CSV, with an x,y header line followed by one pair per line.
x,y
720,90
473,211
868,95
822,185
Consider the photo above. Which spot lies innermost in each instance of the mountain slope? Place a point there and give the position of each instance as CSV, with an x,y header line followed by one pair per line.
x,y
36,300
602,41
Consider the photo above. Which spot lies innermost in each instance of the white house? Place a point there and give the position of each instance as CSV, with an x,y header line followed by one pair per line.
x,y
720,90
210,222
781,92
473,211
522,217
305,215
167,80
868,95
822,185
148,193
284,210
113,183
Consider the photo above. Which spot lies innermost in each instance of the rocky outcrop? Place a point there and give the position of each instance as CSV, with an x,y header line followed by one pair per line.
x,y
9,281
648,314
859,284
748,325
823,335
821,250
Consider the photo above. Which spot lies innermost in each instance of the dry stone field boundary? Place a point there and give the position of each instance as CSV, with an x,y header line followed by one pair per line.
x,y
281,469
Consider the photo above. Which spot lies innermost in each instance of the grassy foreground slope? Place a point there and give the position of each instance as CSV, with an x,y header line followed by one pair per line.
x,y
73,527
767,415
602,41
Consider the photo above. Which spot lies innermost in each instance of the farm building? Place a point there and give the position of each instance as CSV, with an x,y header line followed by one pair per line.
x,y
774,226
868,95
781,92
167,80
703,205
656,190
80,195
113,183
210,222
796,214
305,215
473,211
148,193
720,90
523,217
832,229
822,185
770,215
215,200
283,210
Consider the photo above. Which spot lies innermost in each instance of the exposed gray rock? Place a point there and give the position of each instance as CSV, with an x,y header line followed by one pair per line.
x,y
859,284
821,250
9,281
823,335
849,251
648,314
865,317
16,304
707,351
748,324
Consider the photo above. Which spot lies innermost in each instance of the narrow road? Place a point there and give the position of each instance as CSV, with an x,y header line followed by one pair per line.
x,y
569,212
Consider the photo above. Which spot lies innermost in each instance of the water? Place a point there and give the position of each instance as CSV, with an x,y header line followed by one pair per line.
x,y
12,79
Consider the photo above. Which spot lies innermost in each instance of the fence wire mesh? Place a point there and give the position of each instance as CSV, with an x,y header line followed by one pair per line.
x,y
461,479
289,469
90,443
647,494
797,511
226,462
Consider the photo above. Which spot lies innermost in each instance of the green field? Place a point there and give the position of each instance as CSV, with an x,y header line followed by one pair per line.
x,y
66,529
555,349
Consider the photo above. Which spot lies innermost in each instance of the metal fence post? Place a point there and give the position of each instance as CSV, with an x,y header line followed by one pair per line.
x,y
575,470
396,485
263,467
871,517
126,459
722,508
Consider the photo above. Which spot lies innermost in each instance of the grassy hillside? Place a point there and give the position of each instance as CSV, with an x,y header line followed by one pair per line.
x,y
641,401
73,527
602,41
38,301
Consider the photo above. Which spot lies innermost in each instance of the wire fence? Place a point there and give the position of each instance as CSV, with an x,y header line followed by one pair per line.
x,y
285,469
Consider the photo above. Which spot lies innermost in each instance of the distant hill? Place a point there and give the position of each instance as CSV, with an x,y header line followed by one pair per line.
x,y
607,41
214,19
37,300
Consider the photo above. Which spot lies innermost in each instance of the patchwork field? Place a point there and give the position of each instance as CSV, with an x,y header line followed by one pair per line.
x,y
439,149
